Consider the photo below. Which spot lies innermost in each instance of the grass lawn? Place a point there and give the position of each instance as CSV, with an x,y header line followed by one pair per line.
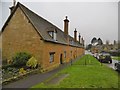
x,y
91,75
116,58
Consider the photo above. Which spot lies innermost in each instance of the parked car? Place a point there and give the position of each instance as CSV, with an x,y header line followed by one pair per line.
x,y
96,55
117,66
105,58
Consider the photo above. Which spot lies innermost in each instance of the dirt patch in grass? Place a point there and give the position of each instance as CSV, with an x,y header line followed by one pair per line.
x,y
56,79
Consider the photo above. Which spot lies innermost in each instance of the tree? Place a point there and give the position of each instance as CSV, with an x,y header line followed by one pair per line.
x,y
88,47
20,59
107,42
100,42
93,40
115,42
32,62
118,44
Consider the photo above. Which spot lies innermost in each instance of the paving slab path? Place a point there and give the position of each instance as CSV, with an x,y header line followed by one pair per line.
x,y
32,80
56,79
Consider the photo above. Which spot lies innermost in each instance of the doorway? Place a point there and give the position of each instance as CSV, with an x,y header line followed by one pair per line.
x,y
61,59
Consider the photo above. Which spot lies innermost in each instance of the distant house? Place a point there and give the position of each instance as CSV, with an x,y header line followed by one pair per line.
x,y
104,47
25,31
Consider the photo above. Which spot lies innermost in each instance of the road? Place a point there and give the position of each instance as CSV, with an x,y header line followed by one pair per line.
x,y
109,65
87,52
112,64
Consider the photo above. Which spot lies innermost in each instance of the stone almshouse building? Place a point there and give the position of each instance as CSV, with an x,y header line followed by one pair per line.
x,y
25,31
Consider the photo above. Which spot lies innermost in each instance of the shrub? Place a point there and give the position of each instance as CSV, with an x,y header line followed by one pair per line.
x,y
20,59
22,71
4,61
32,62
12,69
6,66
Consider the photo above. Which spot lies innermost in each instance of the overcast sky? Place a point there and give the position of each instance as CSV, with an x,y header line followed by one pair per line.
x,y
91,19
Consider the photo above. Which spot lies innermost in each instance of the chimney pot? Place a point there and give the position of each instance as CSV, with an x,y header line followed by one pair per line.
x,y
66,17
14,2
12,7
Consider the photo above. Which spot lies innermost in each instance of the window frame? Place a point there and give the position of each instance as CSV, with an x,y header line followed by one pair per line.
x,y
51,54
53,34
65,54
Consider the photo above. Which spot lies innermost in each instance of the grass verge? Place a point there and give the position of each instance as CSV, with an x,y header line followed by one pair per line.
x,y
116,58
84,73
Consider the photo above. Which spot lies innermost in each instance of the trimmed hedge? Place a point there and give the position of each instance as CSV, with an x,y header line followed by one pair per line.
x,y
115,53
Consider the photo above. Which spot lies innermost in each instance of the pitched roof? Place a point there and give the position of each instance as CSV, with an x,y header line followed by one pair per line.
x,y
43,26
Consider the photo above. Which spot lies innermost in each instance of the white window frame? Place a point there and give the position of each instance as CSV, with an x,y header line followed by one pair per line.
x,y
53,34
54,37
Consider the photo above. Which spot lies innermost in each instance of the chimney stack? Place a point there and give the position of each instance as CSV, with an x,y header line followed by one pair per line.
x,y
75,35
82,41
12,7
79,37
66,21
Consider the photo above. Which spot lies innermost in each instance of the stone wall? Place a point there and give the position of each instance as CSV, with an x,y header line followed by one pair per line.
x,y
20,36
58,49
